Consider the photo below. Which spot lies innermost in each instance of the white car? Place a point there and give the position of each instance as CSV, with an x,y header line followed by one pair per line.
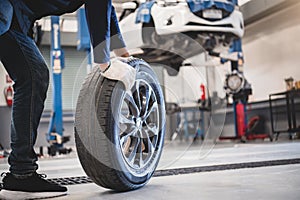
x,y
163,28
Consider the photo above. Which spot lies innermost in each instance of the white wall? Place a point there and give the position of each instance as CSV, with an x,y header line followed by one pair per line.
x,y
272,52
185,87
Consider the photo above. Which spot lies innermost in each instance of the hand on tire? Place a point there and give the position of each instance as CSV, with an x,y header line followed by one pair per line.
x,y
121,71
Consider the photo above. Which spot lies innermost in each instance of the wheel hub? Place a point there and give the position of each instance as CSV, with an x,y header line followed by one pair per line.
x,y
139,123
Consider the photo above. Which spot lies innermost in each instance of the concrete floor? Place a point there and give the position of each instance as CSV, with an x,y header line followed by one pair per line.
x,y
278,182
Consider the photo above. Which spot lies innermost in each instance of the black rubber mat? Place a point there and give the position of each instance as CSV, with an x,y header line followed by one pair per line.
x,y
190,170
71,180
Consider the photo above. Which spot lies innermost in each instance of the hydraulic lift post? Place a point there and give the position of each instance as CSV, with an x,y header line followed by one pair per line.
x,y
55,131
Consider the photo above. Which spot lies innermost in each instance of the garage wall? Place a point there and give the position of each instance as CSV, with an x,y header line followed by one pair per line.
x,y
272,52
72,76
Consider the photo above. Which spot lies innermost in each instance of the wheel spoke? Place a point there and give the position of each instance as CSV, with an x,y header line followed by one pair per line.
x,y
150,146
133,107
151,127
141,162
152,108
146,99
133,153
124,137
136,95
125,120
126,126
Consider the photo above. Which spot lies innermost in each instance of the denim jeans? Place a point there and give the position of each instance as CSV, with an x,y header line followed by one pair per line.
x,y
26,66
6,14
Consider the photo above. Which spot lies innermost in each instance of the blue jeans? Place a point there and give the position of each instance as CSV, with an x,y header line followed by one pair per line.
x,y
26,66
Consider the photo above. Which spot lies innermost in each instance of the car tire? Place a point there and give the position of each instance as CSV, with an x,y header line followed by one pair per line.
x,y
119,134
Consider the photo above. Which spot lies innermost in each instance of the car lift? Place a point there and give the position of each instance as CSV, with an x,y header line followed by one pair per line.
x,y
55,132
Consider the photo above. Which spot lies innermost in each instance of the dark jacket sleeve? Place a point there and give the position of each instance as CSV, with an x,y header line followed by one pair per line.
x,y
102,22
116,41
98,14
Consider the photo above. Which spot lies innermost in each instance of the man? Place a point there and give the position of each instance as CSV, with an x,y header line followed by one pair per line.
x,y
26,66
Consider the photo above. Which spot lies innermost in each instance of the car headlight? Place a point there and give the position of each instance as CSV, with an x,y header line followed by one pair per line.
x,y
234,82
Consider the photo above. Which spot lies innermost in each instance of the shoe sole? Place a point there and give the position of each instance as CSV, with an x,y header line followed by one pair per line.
x,y
16,195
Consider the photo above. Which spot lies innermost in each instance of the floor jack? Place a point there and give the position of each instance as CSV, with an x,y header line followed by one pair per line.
x,y
251,133
244,129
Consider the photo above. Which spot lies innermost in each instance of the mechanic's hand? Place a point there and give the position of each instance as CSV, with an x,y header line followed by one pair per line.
x,y
121,71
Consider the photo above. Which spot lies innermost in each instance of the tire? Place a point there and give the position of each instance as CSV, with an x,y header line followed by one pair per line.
x,y
119,135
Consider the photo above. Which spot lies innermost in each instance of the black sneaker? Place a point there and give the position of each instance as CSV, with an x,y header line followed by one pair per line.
x,y
32,187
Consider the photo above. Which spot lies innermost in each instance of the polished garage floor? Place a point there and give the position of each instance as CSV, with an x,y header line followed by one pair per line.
x,y
278,181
